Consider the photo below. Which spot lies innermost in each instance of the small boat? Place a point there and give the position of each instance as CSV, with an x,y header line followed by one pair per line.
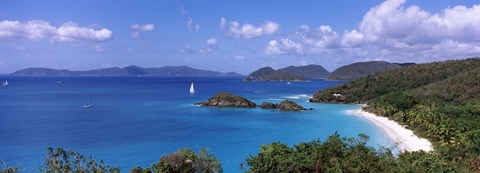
x,y
87,105
59,82
5,83
192,89
288,83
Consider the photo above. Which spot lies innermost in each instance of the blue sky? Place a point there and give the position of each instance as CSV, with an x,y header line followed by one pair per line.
x,y
238,36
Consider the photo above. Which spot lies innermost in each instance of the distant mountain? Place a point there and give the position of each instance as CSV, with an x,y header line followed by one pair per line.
x,y
360,69
43,72
126,71
291,73
309,71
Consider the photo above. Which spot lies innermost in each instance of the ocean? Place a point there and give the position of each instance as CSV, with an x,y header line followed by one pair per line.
x,y
136,120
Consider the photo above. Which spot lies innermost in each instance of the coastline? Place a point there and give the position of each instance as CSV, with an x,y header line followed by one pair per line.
x,y
404,138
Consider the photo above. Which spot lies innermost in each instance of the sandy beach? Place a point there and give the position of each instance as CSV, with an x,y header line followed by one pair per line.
x,y
404,138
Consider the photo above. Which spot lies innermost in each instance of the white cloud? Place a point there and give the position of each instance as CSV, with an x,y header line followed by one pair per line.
x,y
306,39
212,41
322,37
394,32
39,30
247,30
304,28
146,27
352,38
204,50
283,46
32,30
189,24
72,32
399,26
136,29
223,21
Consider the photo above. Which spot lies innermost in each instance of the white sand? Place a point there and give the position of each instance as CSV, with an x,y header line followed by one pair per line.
x,y
404,138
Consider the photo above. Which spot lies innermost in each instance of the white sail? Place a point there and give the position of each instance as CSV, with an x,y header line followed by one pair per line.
x,y
192,89
87,105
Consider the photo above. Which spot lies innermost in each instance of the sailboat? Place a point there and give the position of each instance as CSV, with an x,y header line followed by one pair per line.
x,y
192,89
5,83
87,105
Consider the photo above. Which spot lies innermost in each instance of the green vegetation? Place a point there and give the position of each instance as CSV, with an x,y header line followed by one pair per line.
x,y
259,73
439,101
338,154
224,99
268,105
290,73
308,71
184,160
288,105
282,76
4,168
274,76
358,70
60,160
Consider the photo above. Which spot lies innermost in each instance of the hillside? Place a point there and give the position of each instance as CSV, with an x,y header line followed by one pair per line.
x,y
126,71
309,71
439,101
360,69
290,73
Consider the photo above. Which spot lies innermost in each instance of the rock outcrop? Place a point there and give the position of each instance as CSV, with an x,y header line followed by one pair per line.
x,y
224,99
268,105
288,105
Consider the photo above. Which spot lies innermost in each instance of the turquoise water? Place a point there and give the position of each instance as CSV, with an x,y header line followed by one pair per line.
x,y
134,121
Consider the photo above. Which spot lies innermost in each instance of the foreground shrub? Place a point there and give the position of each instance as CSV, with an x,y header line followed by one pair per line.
x,y
60,160
186,160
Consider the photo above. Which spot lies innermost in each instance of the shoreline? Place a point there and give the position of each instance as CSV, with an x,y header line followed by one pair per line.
x,y
405,139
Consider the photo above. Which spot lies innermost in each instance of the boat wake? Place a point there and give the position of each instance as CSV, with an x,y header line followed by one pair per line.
x,y
299,96
273,99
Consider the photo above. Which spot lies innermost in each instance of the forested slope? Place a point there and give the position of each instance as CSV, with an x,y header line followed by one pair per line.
x,y
439,101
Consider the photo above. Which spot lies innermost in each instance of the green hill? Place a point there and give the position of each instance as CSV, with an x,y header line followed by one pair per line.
x,y
360,69
439,101
308,71
290,73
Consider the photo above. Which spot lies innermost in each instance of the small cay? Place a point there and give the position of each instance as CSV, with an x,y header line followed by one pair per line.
x,y
288,105
224,99
285,105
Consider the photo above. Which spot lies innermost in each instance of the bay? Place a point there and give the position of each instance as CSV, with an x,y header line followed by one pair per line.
x,y
136,120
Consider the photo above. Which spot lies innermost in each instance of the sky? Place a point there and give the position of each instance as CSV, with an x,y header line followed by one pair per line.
x,y
239,36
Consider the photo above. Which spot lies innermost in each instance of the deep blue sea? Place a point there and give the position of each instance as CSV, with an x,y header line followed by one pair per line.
x,y
136,120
